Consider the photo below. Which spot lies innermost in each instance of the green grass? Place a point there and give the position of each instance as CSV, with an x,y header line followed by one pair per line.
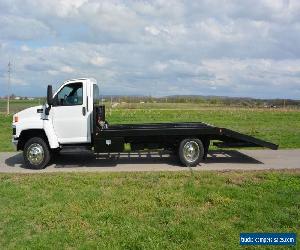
x,y
182,210
17,105
278,126
5,133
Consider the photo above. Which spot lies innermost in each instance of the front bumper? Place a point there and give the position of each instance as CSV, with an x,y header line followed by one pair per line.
x,y
14,139
15,142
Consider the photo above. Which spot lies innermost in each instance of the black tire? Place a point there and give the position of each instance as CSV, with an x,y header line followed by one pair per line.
x,y
197,156
33,147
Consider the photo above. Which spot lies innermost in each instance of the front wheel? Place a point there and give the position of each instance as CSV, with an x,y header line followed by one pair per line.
x,y
191,152
36,153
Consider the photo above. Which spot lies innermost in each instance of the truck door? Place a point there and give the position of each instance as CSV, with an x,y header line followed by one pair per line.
x,y
69,114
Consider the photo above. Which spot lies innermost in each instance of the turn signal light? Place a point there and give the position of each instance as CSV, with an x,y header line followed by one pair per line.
x,y
16,119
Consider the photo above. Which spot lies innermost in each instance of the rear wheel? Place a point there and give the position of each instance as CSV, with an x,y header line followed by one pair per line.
x,y
191,152
36,153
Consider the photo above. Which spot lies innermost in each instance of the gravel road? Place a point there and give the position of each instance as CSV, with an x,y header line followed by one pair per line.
x,y
219,160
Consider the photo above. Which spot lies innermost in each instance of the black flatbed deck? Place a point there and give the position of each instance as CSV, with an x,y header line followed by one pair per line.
x,y
149,132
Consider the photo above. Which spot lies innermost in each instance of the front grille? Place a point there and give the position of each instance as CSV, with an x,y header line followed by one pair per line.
x,y
14,131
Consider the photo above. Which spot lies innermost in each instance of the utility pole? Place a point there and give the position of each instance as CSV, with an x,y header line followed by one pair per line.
x,y
111,105
9,72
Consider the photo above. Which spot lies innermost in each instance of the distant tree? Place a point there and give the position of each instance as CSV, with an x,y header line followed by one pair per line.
x,y
213,101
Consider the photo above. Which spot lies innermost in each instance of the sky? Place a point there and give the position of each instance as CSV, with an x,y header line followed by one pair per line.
x,y
246,48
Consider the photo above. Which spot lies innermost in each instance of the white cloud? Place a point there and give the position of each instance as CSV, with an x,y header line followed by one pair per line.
x,y
137,47
152,30
67,69
20,28
160,67
99,61
25,48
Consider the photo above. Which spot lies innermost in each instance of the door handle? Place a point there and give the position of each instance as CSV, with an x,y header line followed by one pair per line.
x,y
83,111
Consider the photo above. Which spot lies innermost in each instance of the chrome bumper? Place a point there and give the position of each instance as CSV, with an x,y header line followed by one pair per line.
x,y
14,139
15,142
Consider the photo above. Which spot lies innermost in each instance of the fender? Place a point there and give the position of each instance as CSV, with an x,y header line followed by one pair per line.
x,y
49,131
31,119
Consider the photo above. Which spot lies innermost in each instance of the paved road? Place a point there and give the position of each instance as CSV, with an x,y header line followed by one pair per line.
x,y
217,160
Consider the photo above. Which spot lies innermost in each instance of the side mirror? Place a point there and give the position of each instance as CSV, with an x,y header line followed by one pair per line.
x,y
49,95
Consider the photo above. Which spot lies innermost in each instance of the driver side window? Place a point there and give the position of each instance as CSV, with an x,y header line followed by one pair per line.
x,y
69,95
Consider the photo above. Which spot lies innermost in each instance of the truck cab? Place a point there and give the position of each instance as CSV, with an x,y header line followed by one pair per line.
x,y
65,119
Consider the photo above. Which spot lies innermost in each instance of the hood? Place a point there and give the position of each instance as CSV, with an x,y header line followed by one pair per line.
x,y
31,112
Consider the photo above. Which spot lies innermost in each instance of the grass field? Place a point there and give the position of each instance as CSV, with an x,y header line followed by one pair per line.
x,y
17,105
279,126
145,210
183,210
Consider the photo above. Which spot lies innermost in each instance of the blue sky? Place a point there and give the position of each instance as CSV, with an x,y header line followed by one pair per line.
x,y
230,48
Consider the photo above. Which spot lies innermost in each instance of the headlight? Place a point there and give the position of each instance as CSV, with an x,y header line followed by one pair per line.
x,y
16,118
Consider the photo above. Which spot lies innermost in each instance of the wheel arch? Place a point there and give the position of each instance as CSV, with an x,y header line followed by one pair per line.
x,y
30,133
206,143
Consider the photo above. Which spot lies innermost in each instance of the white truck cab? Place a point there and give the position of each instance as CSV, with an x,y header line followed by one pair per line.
x,y
67,120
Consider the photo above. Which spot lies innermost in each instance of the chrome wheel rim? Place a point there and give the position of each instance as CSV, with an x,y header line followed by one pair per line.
x,y
35,154
191,151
